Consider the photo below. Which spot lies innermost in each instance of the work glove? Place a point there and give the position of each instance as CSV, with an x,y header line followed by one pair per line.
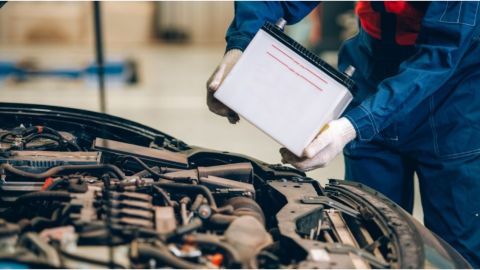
x,y
324,148
215,106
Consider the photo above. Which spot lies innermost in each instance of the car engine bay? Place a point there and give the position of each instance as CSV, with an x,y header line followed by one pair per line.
x,y
80,189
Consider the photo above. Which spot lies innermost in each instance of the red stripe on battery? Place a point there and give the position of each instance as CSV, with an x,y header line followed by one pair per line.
x,y
296,73
307,69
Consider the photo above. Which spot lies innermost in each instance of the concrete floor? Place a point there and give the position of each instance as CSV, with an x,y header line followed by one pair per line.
x,y
170,97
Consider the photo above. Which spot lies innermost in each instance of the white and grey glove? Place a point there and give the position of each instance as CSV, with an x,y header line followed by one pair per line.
x,y
229,60
324,148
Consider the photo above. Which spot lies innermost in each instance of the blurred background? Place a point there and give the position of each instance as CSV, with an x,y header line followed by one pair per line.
x,y
159,56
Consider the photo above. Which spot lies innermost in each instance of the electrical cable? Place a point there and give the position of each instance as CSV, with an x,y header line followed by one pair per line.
x,y
144,166
196,189
60,140
151,169
164,195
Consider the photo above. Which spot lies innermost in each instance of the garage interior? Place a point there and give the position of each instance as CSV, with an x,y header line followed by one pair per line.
x,y
166,50
170,93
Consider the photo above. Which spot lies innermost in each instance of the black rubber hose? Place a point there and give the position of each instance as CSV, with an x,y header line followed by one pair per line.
x,y
33,137
65,168
60,140
62,196
143,165
164,195
145,173
151,171
42,130
194,224
165,257
195,189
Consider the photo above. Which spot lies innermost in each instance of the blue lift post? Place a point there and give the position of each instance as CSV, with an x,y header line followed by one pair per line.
x,y
123,71
103,109
99,55
118,71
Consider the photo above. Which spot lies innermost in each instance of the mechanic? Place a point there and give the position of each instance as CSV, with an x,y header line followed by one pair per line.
x,y
416,109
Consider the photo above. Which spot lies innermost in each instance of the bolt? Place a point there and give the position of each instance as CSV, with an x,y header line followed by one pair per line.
x,y
281,23
204,211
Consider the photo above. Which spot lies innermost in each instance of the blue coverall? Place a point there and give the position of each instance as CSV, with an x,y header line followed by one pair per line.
x,y
417,109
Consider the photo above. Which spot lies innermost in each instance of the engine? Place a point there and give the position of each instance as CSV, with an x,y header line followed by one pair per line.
x,y
76,194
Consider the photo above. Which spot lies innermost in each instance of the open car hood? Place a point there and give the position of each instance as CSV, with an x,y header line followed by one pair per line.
x,y
84,189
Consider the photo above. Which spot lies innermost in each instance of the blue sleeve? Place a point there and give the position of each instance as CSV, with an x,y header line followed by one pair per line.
x,y
447,31
250,16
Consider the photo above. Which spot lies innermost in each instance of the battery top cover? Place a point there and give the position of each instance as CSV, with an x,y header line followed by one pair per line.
x,y
284,90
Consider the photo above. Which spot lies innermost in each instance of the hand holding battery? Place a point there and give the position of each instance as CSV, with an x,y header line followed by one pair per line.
x,y
324,148
215,106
